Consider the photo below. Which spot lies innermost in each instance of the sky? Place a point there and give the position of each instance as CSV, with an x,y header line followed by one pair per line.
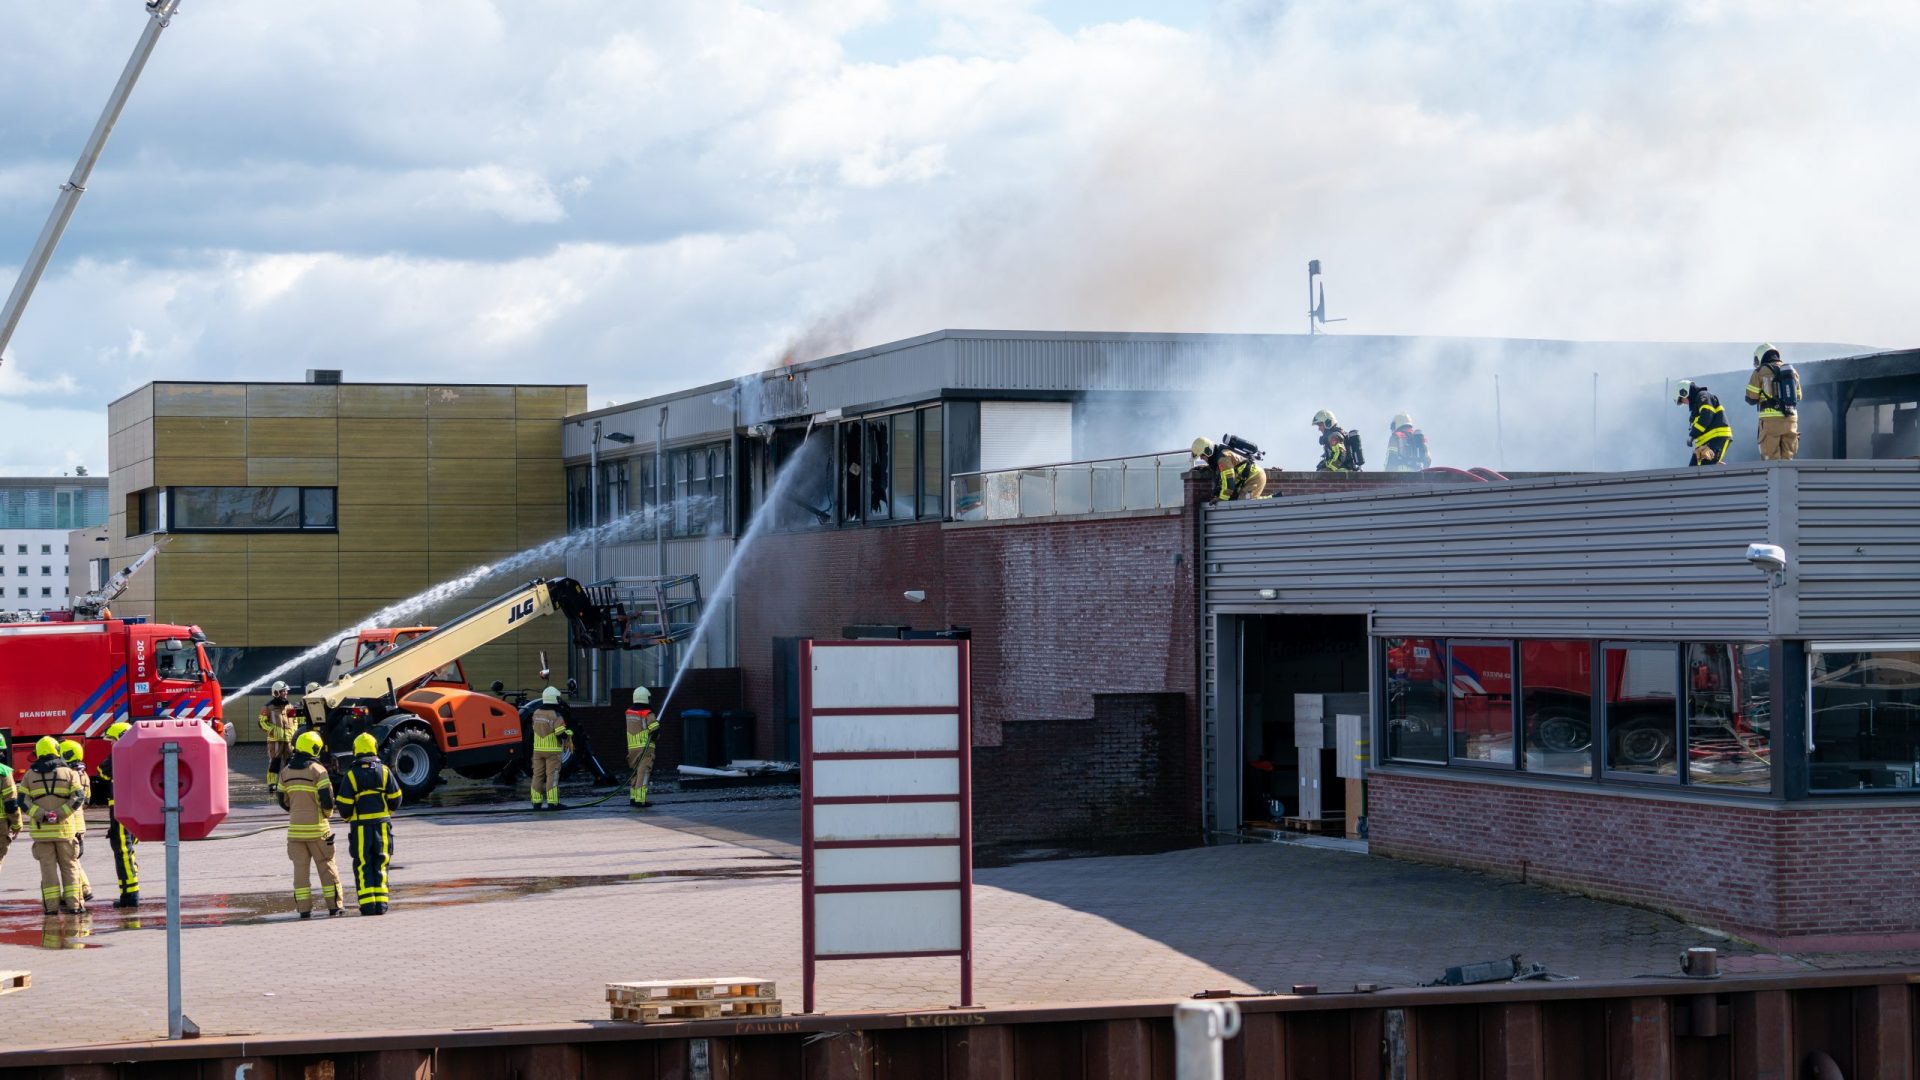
x,y
648,196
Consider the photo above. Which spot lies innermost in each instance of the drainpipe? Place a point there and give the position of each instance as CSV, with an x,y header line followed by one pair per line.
x,y
593,539
661,495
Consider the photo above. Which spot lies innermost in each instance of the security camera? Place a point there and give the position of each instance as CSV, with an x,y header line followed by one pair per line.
x,y
916,596
1767,558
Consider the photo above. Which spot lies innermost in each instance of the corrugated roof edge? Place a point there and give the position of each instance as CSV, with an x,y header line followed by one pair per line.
x,y
349,382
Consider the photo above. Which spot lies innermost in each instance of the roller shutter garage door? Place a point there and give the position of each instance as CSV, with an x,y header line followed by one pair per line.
x,y
1017,434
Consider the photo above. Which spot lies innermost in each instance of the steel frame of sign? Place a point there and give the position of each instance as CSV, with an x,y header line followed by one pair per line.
x,y
962,754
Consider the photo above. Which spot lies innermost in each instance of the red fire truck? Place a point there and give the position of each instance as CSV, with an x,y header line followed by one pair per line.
x,y
73,679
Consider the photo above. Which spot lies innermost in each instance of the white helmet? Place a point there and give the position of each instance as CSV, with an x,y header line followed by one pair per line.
x,y
312,686
279,686
550,696
1400,420
1681,391
1760,353
1323,417
1202,447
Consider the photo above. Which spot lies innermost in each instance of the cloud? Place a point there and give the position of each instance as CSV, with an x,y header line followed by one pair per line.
x,y
649,196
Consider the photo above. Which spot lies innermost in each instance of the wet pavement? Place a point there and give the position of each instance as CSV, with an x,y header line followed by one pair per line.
x,y
504,916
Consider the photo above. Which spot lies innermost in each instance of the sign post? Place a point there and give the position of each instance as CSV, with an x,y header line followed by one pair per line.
x,y
886,812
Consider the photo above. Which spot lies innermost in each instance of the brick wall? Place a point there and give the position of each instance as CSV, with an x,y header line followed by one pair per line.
x,y
1112,779
713,689
1837,877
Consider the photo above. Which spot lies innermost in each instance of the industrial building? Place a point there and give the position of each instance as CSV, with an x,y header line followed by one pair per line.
x,y
296,509
36,514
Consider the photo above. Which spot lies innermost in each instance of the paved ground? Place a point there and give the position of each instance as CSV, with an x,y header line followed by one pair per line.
x,y
503,917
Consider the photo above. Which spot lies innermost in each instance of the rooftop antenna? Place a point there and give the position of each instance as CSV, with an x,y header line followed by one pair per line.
x,y
1317,300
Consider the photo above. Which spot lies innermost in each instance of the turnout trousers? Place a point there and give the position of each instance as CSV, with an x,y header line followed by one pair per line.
x,y
372,848
1779,437
546,778
641,762
59,874
277,753
309,856
126,864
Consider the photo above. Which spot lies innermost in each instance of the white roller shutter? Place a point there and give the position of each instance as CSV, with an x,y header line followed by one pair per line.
x,y
1016,434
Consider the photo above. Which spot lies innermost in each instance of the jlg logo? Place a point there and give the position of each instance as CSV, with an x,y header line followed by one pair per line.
x,y
520,611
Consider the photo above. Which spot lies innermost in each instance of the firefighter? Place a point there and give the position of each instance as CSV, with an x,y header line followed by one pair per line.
x,y
75,756
306,794
1335,453
1707,431
10,799
367,798
550,740
1775,391
126,864
642,729
51,795
277,720
1406,446
1239,476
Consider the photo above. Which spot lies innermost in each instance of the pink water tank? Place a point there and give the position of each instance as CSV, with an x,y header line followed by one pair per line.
x,y
139,778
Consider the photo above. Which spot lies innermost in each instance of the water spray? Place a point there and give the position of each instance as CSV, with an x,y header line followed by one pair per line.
x,y
622,528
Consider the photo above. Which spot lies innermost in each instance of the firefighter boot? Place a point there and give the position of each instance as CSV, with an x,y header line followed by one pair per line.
x,y
129,899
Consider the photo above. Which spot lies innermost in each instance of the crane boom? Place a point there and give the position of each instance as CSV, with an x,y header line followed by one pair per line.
x,y
428,653
160,15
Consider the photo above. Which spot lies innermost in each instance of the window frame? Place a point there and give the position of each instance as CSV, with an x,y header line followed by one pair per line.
x,y
1446,711
1513,709
299,509
1605,729
1815,649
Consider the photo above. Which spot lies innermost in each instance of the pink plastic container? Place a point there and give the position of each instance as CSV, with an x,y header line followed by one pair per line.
x,y
139,778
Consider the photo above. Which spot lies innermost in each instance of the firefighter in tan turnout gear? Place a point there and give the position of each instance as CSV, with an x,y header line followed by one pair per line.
x,y
642,729
51,795
10,799
1775,392
550,739
306,794
277,719
75,756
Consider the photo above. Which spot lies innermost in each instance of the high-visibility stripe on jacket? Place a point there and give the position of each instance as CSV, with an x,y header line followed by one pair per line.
x,y
1764,389
9,798
641,728
368,792
1235,477
278,721
1709,420
548,731
306,794
52,787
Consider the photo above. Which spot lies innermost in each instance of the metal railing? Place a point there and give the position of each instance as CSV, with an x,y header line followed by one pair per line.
x,y
1099,486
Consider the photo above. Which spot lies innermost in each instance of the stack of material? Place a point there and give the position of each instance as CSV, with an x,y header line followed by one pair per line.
x,y
692,999
15,980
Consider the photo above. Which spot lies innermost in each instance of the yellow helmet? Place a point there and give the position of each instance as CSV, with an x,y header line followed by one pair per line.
x,y
48,746
72,751
363,743
117,729
308,743
1202,447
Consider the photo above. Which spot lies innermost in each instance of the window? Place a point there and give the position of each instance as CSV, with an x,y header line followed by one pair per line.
x,y
879,471
46,571
1556,706
1729,716
904,442
46,590
23,590
1642,709
649,500
1416,707
250,509
933,487
1866,720
852,472
1482,693
143,513
46,549
579,509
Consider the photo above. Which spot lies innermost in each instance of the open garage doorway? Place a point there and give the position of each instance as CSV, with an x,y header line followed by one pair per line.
x,y
1296,674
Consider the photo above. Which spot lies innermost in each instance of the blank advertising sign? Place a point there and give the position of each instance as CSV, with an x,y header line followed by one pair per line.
x,y
886,814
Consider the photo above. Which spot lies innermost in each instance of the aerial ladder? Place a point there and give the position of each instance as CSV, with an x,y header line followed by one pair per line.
x,y
159,17
414,697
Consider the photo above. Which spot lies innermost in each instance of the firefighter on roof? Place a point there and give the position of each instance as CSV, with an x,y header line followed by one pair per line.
x,y
1235,464
126,864
75,756
277,720
1775,391
642,728
367,798
1339,448
51,795
1406,446
1707,430
306,794
550,740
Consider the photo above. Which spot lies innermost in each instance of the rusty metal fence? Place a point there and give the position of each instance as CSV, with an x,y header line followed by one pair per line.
x,y
1841,1024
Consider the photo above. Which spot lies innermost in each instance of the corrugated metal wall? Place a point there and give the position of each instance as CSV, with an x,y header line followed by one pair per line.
x,y
1649,555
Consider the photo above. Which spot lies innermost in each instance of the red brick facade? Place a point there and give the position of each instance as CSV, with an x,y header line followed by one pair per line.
x,y
1806,877
1059,609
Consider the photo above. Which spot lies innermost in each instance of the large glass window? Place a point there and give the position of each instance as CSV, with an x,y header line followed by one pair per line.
x,y
1481,686
1866,720
1642,709
933,481
250,509
879,471
1416,706
904,441
143,514
1729,715
579,489
853,499
1556,706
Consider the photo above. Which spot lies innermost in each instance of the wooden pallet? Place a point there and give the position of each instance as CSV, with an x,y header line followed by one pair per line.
x,y
1327,825
660,991
11,981
686,1009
